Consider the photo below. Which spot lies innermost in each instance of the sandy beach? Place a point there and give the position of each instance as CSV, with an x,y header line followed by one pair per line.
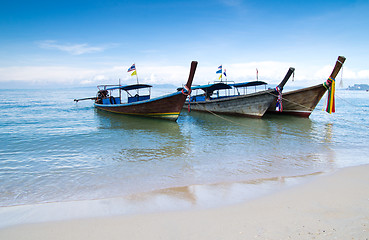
x,y
330,206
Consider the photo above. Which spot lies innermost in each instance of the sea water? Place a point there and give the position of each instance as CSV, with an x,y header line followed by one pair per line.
x,y
56,151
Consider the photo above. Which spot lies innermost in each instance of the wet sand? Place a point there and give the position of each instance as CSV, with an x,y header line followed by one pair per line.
x,y
330,206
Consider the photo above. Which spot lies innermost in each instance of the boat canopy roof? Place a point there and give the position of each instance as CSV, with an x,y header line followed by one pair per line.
x,y
130,87
248,84
212,87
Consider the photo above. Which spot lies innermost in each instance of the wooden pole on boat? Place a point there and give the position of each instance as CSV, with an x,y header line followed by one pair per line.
x,y
221,74
136,75
120,91
81,99
335,71
138,93
285,79
330,85
191,76
337,67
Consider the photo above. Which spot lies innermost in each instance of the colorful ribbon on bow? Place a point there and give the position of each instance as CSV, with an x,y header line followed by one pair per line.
x,y
330,84
187,93
279,106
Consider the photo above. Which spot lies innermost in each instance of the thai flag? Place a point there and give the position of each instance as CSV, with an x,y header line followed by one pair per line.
x,y
132,68
225,73
219,69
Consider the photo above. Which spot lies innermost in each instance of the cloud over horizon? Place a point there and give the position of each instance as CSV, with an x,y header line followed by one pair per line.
x,y
151,73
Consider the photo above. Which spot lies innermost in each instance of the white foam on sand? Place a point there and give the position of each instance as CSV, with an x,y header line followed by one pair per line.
x,y
330,206
169,199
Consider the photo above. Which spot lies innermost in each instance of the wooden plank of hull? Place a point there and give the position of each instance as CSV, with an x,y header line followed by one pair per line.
x,y
167,107
251,105
300,102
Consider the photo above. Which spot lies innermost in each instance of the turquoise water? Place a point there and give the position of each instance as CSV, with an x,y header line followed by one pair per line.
x,y
54,150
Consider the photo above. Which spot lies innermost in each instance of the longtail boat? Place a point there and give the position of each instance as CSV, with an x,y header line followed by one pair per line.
x,y
240,103
141,104
303,101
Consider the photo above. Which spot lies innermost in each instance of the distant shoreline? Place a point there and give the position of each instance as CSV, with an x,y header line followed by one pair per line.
x,y
359,87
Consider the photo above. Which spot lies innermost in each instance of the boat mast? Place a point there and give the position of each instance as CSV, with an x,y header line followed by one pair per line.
x,y
220,71
136,75
220,77
138,92
120,91
133,68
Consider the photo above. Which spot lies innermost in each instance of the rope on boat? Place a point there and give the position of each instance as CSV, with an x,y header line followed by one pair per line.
x,y
279,106
325,111
284,99
364,110
187,94
188,91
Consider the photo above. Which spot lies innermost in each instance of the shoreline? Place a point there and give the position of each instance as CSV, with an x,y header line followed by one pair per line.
x,y
327,206
180,198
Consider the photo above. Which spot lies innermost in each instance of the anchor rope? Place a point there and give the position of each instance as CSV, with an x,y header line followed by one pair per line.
x,y
284,99
364,110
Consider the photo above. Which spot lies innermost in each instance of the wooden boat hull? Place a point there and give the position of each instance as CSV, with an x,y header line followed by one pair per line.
x,y
250,105
300,102
303,101
166,107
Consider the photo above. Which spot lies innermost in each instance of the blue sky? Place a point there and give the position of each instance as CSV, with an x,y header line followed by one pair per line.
x,y
92,42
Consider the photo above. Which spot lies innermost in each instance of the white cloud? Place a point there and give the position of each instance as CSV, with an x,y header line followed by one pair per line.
x,y
364,74
51,74
154,73
74,49
100,77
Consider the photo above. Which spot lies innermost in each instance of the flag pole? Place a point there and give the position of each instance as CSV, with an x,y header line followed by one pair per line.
x,y
138,92
120,91
136,74
221,74
133,68
220,70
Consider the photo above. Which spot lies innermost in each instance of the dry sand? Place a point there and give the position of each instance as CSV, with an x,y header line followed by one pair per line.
x,y
334,206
